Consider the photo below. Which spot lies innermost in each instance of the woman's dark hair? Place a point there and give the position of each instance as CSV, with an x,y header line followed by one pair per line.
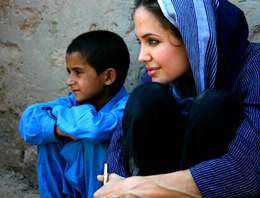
x,y
102,50
154,7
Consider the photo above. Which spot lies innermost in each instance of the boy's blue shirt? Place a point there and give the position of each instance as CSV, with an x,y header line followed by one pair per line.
x,y
81,121
38,120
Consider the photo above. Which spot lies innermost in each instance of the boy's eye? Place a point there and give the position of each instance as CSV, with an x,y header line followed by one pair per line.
x,y
68,71
78,72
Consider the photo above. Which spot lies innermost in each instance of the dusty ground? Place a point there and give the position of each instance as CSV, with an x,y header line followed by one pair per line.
x,y
15,185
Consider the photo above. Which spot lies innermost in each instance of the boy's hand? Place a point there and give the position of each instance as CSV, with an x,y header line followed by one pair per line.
x,y
59,133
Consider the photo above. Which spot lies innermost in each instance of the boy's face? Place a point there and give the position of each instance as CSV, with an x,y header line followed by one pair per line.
x,y
83,79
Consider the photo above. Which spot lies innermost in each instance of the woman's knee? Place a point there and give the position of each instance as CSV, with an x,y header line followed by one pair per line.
x,y
213,120
150,101
150,93
214,114
215,102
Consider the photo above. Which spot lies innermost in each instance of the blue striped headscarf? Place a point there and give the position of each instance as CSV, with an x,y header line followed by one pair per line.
x,y
215,34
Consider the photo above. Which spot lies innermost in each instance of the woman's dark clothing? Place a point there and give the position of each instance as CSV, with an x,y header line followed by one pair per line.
x,y
204,134
238,170
150,114
215,35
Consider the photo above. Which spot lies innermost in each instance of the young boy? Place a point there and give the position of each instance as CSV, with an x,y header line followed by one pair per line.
x,y
72,133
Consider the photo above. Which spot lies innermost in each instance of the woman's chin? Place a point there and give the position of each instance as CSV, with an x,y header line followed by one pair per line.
x,y
158,80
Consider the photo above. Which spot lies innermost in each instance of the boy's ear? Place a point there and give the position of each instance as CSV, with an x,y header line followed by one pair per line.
x,y
110,76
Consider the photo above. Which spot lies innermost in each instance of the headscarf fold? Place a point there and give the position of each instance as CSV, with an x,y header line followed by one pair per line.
x,y
215,34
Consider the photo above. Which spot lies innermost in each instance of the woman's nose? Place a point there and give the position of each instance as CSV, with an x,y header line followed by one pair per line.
x,y
144,55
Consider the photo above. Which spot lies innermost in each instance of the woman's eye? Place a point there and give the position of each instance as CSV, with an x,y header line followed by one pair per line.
x,y
150,41
138,41
153,41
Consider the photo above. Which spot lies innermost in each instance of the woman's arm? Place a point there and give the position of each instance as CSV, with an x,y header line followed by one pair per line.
x,y
177,184
237,173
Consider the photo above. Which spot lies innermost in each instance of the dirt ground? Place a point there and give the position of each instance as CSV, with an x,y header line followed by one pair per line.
x,y
15,185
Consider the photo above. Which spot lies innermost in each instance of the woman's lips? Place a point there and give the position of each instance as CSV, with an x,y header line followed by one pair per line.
x,y
152,70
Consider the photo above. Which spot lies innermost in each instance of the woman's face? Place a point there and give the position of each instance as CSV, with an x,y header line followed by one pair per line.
x,y
163,53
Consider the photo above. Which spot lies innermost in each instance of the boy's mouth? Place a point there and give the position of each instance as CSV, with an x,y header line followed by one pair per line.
x,y
75,91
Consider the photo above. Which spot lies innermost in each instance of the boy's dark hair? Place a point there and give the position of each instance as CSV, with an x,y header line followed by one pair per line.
x,y
102,50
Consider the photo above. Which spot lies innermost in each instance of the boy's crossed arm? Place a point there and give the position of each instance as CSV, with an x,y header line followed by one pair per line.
x,y
76,122
59,133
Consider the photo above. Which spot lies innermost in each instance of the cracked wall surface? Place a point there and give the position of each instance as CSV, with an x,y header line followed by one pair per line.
x,y
34,36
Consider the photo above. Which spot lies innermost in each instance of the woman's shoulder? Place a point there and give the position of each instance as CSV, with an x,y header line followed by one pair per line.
x,y
251,61
252,54
248,80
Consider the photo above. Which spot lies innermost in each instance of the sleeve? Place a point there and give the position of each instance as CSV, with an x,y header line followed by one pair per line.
x,y
85,122
37,122
237,174
114,157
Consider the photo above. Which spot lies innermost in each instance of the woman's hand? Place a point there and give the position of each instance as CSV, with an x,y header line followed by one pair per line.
x,y
177,184
118,187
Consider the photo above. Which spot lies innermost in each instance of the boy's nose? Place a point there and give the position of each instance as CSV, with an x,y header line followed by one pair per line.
x,y
70,81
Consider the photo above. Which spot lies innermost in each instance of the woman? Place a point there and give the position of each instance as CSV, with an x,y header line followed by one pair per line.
x,y
206,132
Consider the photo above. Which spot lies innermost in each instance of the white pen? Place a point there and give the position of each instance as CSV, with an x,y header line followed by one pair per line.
x,y
105,174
